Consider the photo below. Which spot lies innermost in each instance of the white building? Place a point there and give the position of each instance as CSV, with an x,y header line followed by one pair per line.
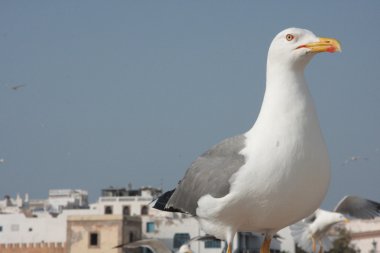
x,y
19,228
60,199
45,220
126,202
31,221
10,205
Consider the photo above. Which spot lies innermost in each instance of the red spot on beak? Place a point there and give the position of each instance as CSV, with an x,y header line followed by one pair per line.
x,y
331,49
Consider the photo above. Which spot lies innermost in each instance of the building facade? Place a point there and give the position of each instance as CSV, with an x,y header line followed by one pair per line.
x,y
101,233
19,228
60,199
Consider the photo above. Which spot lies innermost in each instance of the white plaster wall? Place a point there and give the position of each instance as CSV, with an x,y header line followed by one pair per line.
x,y
135,204
44,228
16,228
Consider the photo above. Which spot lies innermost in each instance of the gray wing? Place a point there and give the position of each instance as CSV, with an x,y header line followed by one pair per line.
x,y
204,238
154,245
358,207
209,174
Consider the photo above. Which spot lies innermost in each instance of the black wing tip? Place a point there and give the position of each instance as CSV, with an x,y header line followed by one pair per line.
x,y
376,208
163,199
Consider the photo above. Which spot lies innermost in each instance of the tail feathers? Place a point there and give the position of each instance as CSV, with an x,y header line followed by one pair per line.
x,y
161,202
301,235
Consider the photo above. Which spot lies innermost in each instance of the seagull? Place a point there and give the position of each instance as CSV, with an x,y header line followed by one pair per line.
x,y
17,86
315,228
355,158
157,246
260,181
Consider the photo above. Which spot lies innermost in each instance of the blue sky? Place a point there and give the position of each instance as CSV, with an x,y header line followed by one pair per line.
x,y
112,92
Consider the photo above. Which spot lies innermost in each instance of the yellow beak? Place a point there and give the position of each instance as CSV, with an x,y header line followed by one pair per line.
x,y
323,45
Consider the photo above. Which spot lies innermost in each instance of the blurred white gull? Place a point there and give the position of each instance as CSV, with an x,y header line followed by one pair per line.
x,y
157,246
260,181
314,230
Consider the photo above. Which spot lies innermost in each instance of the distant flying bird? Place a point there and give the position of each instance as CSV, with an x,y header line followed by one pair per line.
x,y
355,158
315,229
261,181
17,87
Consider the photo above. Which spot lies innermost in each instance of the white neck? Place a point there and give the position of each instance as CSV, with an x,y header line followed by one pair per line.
x,y
287,99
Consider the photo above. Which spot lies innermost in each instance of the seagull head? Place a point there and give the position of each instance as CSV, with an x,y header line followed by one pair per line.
x,y
185,248
295,47
340,218
331,218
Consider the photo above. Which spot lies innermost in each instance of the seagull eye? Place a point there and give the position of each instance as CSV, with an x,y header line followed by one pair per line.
x,y
289,37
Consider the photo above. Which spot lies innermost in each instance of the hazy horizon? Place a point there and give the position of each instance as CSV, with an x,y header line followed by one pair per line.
x,y
96,94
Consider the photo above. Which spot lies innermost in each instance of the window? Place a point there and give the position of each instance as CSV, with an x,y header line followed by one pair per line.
x,y
144,210
30,229
94,239
15,227
212,244
1,228
108,210
126,210
179,239
131,237
150,227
